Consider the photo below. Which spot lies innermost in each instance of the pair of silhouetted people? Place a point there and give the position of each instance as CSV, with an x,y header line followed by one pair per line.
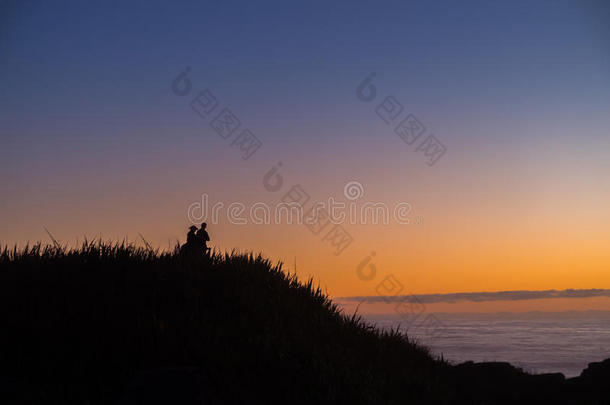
x,y
197,241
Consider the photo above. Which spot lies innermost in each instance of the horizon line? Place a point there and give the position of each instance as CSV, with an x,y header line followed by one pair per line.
x,y
512,295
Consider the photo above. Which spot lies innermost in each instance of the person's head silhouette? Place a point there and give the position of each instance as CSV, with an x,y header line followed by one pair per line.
x,y
204,225
192,228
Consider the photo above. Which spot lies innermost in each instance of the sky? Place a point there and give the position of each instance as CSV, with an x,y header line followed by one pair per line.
x,y
100,137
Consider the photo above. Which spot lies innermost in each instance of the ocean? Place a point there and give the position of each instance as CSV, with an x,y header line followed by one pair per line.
x,y
538,342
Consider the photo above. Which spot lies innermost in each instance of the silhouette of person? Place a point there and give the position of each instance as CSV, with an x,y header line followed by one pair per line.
x,y
203,237
191,236
192,247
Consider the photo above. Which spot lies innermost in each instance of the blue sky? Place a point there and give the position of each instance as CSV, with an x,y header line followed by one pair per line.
x,y
94,140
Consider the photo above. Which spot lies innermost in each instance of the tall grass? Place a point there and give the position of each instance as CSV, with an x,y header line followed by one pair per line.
x,y
80,322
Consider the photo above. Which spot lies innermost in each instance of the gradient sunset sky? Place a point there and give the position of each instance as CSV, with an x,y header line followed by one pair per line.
x,y
96,143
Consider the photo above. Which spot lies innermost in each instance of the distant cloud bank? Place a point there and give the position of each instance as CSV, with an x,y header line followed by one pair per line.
x,y
483,296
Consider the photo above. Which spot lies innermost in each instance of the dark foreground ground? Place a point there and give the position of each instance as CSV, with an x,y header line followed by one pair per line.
x,y
112,324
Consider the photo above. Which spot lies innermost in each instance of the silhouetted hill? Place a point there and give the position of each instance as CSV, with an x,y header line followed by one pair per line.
x,y
118,324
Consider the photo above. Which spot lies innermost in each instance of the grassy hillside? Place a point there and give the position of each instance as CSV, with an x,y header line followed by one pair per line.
x,y
89,325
